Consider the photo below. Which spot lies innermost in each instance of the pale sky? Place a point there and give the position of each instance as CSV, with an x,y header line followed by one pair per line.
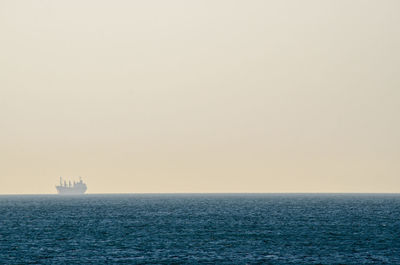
x,y
200,96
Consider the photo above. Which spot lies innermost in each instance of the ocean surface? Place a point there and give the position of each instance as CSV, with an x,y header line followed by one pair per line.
x,y
200,229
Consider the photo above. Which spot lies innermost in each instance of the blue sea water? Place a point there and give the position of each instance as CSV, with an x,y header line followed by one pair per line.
x,y
201,229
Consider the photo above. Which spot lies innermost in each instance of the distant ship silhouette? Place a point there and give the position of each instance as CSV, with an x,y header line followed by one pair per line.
x,y
76,188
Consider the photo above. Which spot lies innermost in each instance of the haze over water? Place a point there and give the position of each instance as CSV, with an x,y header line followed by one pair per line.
x,y
223,110
200,96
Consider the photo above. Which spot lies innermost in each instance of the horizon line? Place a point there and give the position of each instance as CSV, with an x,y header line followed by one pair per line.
x,y
194,193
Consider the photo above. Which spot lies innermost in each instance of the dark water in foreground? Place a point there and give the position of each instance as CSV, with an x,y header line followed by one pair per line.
x,y
200,229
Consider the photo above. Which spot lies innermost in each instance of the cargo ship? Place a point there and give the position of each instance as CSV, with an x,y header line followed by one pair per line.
x,y
75,188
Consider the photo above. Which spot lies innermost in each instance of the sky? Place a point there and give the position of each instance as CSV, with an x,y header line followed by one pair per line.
x,y
200,96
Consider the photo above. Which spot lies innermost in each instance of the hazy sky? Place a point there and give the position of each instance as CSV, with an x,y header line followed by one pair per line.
x,y
200,96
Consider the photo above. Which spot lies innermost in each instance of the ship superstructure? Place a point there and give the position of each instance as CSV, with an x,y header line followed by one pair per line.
x,y
69,188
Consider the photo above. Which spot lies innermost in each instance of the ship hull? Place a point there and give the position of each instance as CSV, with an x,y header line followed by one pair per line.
x,y
70,191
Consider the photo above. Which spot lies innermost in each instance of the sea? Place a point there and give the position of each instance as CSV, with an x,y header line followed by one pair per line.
x,y
200,229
